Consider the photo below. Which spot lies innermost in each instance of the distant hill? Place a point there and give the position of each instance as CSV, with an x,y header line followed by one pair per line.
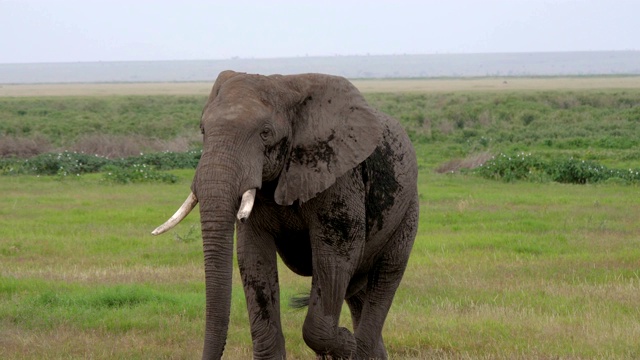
x,y
378,66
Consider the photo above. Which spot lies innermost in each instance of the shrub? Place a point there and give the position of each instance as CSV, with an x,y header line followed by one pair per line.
x,y
145,167
62,163
527,117
529,167
577,171
521,166
166,160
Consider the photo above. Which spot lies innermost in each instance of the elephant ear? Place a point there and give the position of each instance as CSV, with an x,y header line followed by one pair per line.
x,y
334,130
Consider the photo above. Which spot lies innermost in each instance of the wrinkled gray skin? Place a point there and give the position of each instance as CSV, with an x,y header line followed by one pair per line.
x,y
336,199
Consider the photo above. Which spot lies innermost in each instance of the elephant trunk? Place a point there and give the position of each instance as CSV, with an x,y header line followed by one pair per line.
x,y
217,218
219,185
222,178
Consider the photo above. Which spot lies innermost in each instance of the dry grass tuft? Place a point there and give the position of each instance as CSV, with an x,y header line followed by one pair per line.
x,y
109,146
119,146
65,342
470,162
23,147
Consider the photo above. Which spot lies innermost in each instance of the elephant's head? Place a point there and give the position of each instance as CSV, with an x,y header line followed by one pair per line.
x,y
297,133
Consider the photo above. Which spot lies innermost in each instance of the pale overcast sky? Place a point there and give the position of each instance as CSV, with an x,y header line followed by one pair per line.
x,y
119,30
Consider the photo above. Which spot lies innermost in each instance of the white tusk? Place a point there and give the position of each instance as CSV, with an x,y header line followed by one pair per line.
x,y
184,210
246,205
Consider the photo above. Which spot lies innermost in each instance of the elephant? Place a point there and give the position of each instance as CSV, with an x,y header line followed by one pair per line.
x,y
303,167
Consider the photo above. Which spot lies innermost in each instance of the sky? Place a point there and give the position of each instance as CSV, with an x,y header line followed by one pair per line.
x,y
37,31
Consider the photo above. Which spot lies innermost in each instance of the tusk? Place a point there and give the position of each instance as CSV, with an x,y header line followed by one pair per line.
x,y
184,210
246,205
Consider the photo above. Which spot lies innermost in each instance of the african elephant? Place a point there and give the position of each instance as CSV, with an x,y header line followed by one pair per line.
x,y
313,173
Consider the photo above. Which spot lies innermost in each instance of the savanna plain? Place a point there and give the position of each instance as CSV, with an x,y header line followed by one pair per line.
x,y
528,244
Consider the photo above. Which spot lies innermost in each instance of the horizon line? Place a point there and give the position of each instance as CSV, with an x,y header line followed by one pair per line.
x,y
237,58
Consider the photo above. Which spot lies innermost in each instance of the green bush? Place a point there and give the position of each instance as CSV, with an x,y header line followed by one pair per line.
x,y
143,168
533,168
577,171
63,163
165,160
521,166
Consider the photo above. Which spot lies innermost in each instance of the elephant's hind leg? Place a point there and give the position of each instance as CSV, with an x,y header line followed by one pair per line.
x,y
373,303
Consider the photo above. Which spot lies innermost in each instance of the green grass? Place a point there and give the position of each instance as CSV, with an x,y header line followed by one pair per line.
x,y
591,124
587,124
498,270
63,119
518,270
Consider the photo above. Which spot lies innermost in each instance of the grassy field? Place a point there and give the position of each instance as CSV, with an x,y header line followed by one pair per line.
x,y
365,85
519,270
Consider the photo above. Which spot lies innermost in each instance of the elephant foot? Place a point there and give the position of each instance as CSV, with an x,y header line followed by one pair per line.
x,y
379,353
340,346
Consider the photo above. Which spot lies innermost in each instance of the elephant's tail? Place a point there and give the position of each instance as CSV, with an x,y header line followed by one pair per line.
x,y
299,302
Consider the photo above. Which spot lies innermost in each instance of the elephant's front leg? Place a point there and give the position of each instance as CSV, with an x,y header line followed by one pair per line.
x,y
337,242
321,331
258,269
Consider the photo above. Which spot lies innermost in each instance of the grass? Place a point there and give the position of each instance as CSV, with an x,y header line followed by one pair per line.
x,y
520,270
590,124
65,120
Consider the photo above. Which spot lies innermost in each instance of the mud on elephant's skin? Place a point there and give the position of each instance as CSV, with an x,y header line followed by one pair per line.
x,y
302,167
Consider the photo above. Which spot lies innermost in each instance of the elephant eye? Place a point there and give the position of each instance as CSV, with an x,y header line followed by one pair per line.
x,y
265,134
